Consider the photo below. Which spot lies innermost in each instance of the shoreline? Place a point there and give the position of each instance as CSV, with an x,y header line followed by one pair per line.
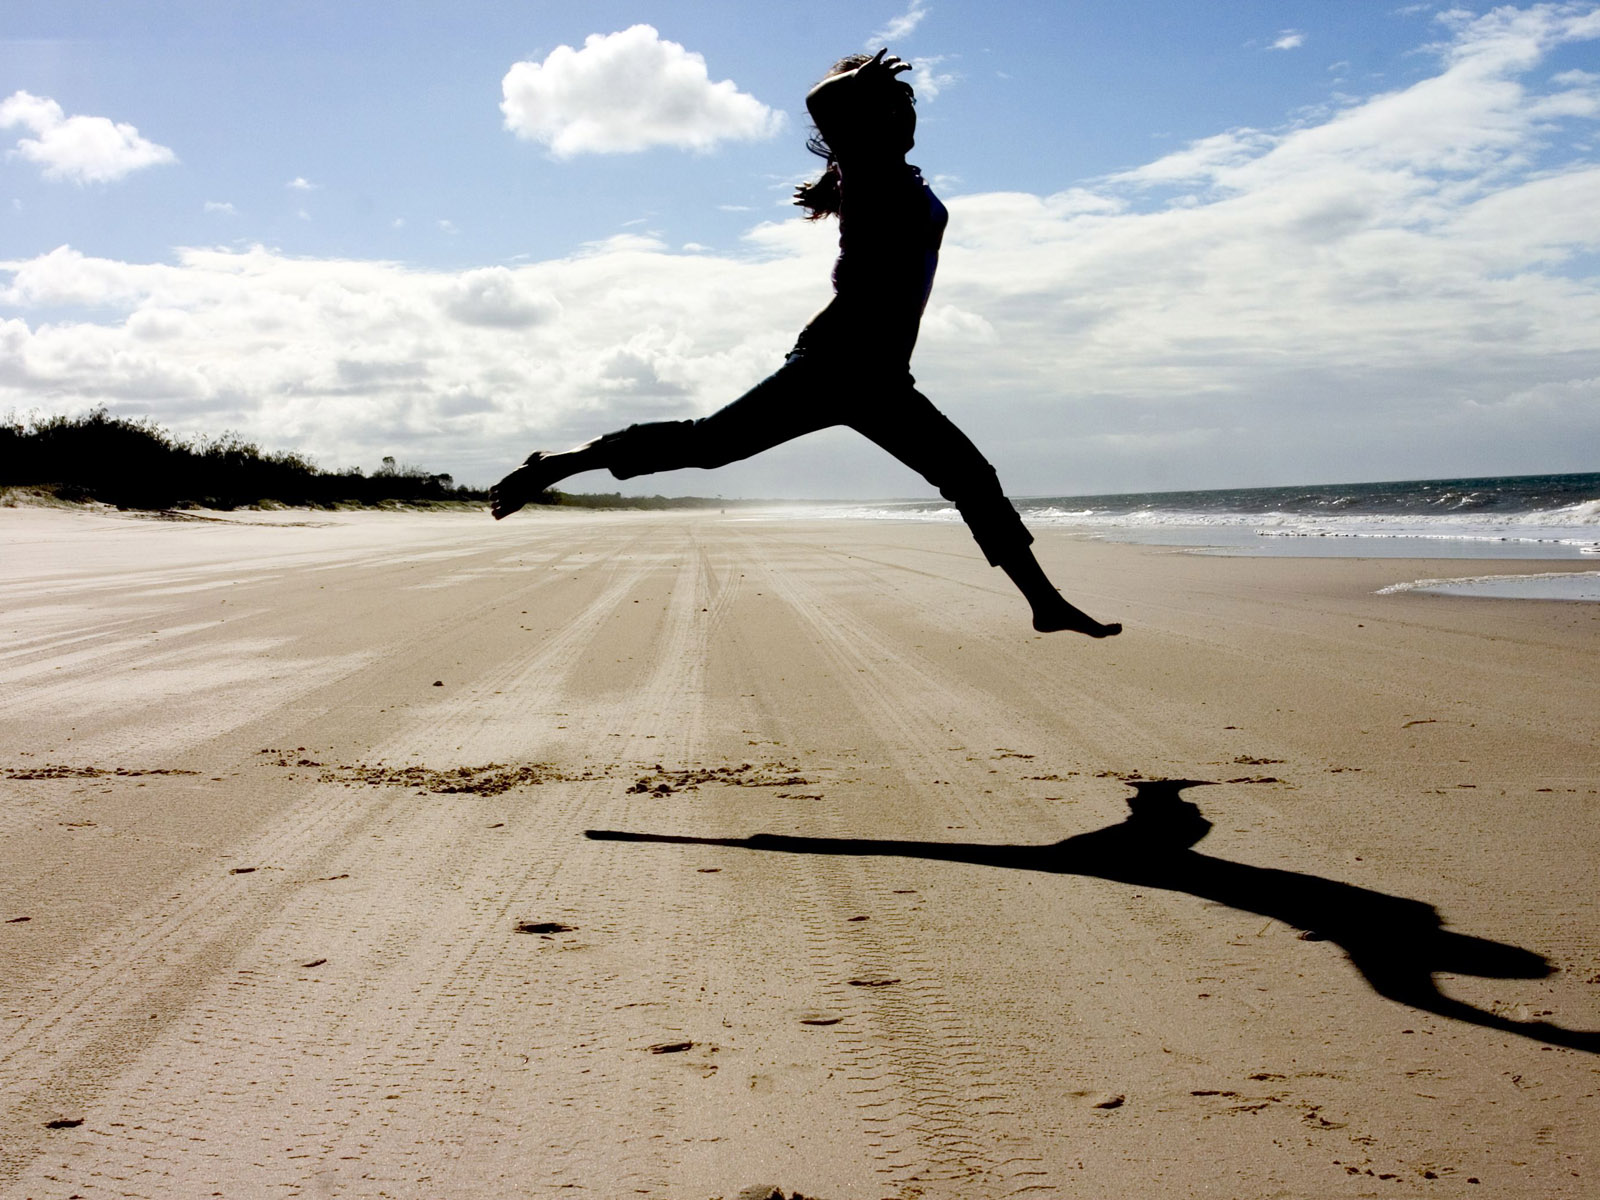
x,y
1503,575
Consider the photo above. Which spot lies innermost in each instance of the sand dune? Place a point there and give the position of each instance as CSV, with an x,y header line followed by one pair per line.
x,y
665,855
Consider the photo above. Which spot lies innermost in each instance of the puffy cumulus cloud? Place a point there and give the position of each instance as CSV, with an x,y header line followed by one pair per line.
x,y
1359,296
80,149
625,92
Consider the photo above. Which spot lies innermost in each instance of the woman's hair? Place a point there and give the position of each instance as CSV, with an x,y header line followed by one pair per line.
x,y
820,197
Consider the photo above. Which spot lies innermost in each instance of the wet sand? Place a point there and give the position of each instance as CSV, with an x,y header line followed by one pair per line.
x,y
668,854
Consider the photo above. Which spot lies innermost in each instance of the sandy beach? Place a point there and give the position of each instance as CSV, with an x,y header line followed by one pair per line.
x,y
666,855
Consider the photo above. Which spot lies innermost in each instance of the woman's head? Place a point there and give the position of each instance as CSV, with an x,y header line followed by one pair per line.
x,y
861,110
862,106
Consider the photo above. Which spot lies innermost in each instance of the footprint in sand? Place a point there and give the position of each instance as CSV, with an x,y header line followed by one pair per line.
x,y
1104,1100
544,927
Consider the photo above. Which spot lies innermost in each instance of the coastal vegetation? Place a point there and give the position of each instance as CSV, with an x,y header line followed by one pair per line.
x,y
136,464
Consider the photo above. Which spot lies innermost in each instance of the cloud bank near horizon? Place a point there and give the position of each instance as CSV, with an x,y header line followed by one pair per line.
x,y
1406,281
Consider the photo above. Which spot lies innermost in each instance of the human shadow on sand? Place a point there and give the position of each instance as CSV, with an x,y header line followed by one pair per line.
x,y
1396,943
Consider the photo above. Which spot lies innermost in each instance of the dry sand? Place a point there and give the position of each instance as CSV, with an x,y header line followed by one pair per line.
x,y
296,897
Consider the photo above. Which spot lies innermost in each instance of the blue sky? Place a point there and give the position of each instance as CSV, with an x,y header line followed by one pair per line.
x,y
1191,245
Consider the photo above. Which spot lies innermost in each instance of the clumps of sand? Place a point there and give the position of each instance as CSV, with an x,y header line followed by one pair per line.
x,y
493,779
62,771
490,779
663,782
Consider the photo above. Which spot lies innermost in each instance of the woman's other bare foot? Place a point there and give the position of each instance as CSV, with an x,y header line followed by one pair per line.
x,y
1060,617
523,485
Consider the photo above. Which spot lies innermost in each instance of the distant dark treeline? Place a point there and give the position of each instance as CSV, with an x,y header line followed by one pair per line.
x,y
618,500
137,464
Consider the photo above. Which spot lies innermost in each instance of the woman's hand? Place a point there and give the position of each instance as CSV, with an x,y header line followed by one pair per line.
x,y
882,67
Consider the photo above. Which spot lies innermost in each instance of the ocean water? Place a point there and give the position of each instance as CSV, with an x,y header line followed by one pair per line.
x,y
1512,517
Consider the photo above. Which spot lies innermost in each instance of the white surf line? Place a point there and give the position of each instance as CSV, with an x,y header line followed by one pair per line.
x,y
1546,585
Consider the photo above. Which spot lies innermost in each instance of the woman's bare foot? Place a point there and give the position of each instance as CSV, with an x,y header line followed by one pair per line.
x,y
523,485
1063,617
1051,611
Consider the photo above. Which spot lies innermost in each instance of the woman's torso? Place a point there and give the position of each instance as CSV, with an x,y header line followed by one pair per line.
x,y
890,229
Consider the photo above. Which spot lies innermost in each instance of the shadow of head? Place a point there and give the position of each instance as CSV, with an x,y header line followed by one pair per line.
x,y
1159,816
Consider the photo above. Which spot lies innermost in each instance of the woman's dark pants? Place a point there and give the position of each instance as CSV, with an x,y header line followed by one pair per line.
x,y
815,391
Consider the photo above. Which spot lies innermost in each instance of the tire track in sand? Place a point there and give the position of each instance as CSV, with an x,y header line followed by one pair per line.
x,y
93,1017
561,1076
433,1033
935,1104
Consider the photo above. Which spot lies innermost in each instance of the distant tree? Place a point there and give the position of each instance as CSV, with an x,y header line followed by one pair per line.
x,y
137,464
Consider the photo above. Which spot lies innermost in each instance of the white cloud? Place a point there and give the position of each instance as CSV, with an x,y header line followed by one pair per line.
x,y
625,92
1289,39
1205,159
496,298
65,278
301,184
900,26
323,355
928,80
1399,288
221,206
78,148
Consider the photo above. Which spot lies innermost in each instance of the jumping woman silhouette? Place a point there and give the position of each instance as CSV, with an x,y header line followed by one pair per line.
x,y
850,365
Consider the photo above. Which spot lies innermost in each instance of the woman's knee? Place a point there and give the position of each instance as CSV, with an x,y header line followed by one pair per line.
x,y
972,478
646,448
